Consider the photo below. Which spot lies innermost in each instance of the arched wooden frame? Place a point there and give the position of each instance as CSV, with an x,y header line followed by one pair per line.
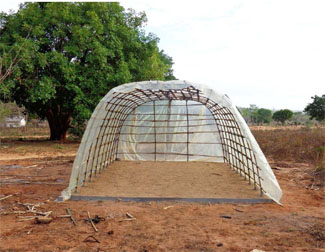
x,y
237,151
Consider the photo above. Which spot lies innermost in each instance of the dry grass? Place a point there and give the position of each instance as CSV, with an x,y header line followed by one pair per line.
x,y
282,144
301,145
24,131
317,232
306,145
38,147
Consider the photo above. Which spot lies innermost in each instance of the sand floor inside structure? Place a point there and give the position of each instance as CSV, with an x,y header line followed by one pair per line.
x,y
169,179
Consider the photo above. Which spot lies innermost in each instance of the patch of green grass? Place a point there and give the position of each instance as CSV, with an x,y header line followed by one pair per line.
x,y
59,147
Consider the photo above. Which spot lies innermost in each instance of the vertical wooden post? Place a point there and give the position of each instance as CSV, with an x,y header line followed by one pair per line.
x,y
188,133
86,169
154,127
168,141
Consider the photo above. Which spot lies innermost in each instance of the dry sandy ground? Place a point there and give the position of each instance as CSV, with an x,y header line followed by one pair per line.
x,y
298,225
169,179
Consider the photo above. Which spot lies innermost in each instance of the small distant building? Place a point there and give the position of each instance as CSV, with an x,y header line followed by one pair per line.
x,y
15,122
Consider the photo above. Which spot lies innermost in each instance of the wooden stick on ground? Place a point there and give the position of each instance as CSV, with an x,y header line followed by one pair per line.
x,y
128,219
47,214
8,196
91,222
72,219
129,215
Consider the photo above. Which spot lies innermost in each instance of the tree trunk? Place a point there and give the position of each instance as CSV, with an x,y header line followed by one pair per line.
x,y
59,123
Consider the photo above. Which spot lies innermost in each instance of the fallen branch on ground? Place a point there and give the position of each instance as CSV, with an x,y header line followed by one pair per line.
x,y
128,219
129,215
72,219
6,197
91,222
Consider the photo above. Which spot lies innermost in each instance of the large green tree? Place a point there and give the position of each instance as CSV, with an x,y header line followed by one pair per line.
x,y
282,115
72,54
316,109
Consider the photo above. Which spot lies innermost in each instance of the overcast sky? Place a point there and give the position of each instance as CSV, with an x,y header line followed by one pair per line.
x,y
268,53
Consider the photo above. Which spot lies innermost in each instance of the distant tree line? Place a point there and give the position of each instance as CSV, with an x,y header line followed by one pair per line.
x,y
313,111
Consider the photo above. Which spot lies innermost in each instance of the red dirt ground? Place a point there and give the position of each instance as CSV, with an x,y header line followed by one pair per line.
x,y
298,225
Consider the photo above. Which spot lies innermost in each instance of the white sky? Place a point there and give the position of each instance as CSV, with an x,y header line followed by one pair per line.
x,y
268,53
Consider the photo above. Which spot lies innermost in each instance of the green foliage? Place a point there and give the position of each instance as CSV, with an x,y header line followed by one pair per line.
x,y
77,129
4,111
255,115
316,109
73,54
282,115
309,124
264,115
245,113
249,114
10,109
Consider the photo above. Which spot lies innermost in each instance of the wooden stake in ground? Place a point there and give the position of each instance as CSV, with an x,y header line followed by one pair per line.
x,y
92,223
72,219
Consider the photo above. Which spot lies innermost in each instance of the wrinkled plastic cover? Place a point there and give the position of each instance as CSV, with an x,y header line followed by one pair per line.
x,y
269,182
139,134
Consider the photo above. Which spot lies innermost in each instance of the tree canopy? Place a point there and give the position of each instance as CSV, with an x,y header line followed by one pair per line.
x,y
253,114
72,54
282,115
264,115
316,109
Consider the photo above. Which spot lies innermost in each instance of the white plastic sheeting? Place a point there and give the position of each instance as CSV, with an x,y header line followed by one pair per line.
x,y
92,154
163,126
